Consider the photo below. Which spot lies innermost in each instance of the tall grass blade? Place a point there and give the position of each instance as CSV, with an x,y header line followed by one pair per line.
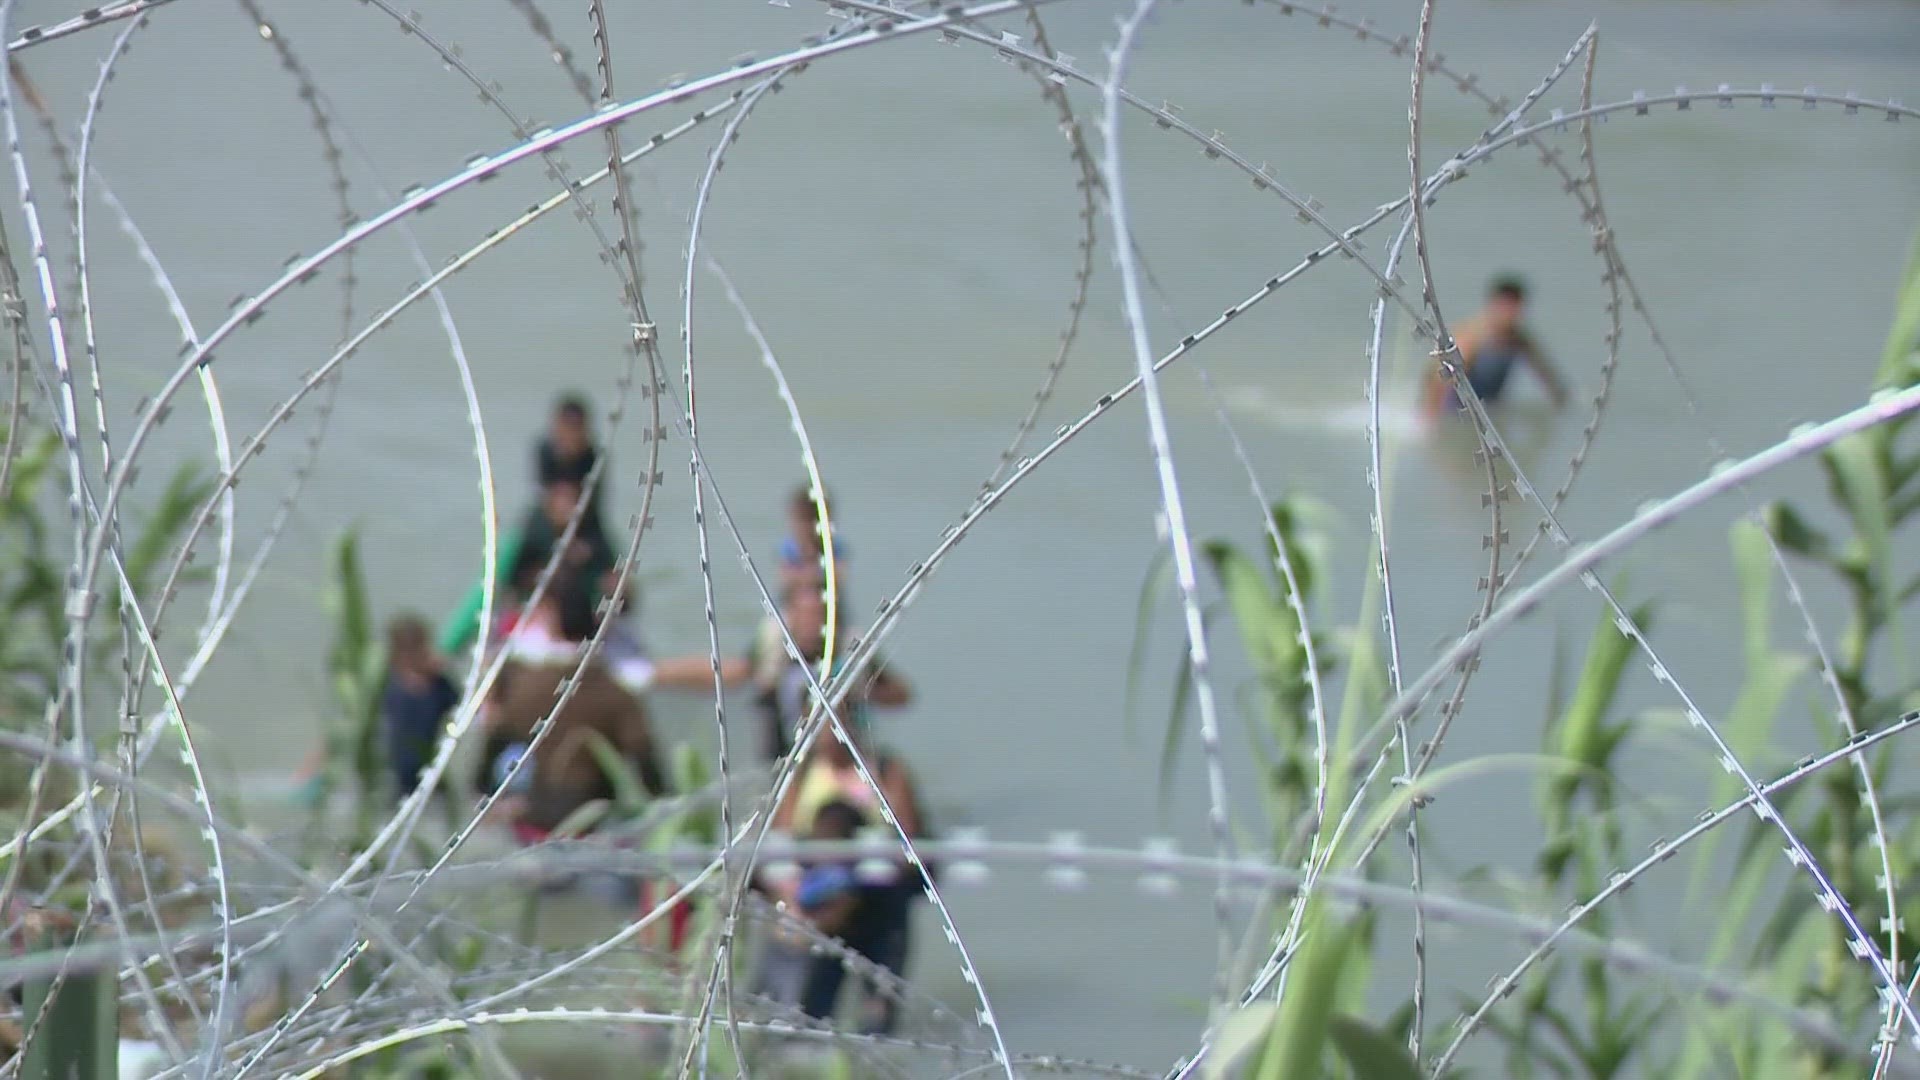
x,y
1268,630
1176,732
629,795
1769,678
1297,1038
161,529
1158,580
1586,741
1897,360
1372,1054
1238,1036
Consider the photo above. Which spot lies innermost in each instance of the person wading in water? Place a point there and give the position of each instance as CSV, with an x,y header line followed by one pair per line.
x,y
524,553
542,652
1491,345
785,694
543,657
567,452
879,928
414,701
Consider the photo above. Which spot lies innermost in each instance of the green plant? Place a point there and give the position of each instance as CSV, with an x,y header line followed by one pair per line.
x,y
34,557
1580,806
33,563
71,1018
1582,1018
1264,608
356,665
1867,844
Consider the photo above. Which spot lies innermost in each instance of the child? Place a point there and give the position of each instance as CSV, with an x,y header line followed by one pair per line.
x,y
415,698
802,552
415,701
802,566
824,895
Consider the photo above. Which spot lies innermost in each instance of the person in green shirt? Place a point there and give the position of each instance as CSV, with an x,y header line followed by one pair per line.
x,y
524,552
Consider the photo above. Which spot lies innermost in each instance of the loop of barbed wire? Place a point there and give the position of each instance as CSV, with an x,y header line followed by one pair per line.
x,y
310,1036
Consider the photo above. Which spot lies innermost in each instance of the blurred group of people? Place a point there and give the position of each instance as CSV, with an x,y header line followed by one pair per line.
x,y
539,633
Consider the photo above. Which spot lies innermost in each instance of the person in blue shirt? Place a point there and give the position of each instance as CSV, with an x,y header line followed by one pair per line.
x,y
825,896
415,701
802,550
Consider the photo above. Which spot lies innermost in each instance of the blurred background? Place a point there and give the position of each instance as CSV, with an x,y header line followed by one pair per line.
x,y
903,223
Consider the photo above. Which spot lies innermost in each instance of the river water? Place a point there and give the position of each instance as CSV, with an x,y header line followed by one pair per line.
x,y
902,221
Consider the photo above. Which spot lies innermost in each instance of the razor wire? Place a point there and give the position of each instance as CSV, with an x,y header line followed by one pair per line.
x,y
312,1037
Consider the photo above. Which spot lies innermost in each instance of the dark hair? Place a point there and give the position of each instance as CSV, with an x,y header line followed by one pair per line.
x,y
802,498
571,407
407,635
1508,287
838,820
579,608
527,565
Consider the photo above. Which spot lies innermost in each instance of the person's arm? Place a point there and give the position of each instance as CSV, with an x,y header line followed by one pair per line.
x,y
602,560
1543,368
1466,340
311,777
1433,397
788,808
464,625
767,654
695,671
832,917
896,784
885,690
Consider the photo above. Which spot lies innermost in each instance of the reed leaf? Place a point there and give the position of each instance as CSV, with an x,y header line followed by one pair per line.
x,y
1793,533
356,673
1266,625
187,490
1399,800
629,795
1176,732
1239,1034
1857,477
582,819
1159,579
1586,742
1357,972
1770,676
1297,1037
1898,365
1371,1053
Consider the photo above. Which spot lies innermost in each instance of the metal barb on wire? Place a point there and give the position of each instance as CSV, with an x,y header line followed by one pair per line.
x,y
410,1000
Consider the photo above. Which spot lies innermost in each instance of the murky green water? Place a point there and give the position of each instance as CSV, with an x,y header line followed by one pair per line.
x,y
902,221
